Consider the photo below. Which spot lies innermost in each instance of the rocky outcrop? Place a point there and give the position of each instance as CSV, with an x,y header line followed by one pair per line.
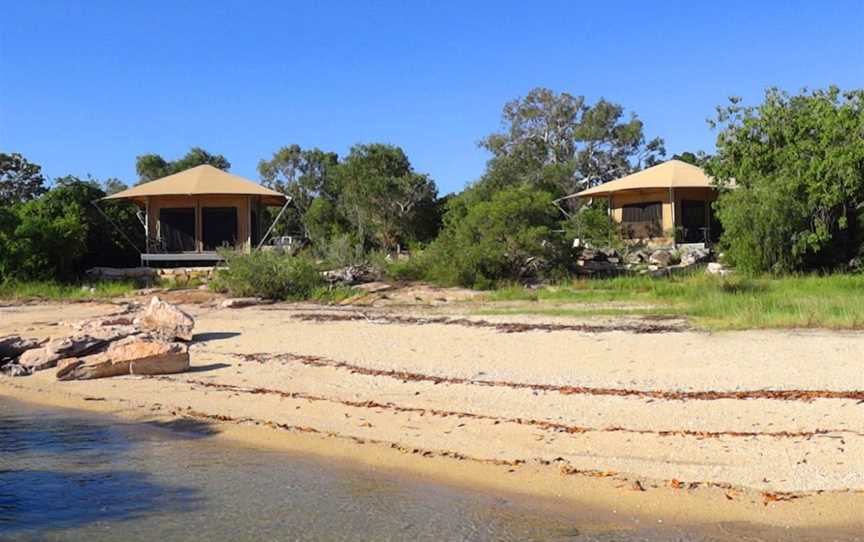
x,y
121,343
137,357
166,321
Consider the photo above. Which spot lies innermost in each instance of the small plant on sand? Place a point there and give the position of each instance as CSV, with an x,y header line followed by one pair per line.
x,y
268,274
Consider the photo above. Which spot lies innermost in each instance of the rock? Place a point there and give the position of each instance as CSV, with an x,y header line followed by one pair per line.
x,y
58,348
660,257
694,256
12,346
717,268
125,273
374,287
636,257
139,357
240,302
14,369
166,321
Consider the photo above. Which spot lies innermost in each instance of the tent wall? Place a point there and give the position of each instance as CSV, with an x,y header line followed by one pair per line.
x,y
243,205
671,215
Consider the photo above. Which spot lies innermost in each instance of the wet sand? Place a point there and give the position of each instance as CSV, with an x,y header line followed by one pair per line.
x,y
673,424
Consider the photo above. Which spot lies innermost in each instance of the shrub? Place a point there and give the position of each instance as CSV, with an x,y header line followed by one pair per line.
x,y
268,274
506,237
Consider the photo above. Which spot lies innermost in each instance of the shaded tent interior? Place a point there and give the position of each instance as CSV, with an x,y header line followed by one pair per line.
x,y
667,203
190,215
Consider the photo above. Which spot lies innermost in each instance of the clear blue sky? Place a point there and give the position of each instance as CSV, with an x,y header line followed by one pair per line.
x,y
86,86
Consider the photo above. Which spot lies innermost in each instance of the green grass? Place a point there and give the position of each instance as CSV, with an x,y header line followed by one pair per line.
x,y
54,291
738,302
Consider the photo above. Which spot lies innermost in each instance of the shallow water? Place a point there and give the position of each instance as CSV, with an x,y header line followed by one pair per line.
x,y
69,475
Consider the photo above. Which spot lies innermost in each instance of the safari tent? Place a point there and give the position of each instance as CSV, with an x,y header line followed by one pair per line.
x,y
667,203
188,216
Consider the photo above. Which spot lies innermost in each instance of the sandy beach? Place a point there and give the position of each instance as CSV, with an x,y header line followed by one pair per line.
x,y
646,417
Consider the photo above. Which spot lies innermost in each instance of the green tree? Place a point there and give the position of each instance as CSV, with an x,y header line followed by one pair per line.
x,y
507,237
699,159
381,195
798,164
20,179
561,143
153,166
304,176
60,234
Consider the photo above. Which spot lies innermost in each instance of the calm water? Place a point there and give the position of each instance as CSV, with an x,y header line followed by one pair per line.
x,y
68,475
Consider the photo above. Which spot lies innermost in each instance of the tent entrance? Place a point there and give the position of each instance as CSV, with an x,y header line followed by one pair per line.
x,y
694,221
177,229
219,227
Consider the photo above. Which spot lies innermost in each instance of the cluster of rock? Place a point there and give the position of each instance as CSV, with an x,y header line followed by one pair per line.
x,y
660,261
350,274
139,341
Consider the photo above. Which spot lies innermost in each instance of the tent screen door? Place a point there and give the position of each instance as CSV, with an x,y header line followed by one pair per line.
x,y
220,227
177,229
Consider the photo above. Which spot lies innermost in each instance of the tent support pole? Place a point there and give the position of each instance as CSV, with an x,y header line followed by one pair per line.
x,y
273,224
118,228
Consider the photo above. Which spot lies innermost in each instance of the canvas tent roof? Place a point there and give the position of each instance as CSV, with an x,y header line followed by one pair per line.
x,y
199,181
671,174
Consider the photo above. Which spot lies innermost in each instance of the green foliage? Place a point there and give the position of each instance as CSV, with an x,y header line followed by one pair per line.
x,y
508,237
20,180
560,143
268,274
592,224
798,162
153,166
306,176
381,195
60,234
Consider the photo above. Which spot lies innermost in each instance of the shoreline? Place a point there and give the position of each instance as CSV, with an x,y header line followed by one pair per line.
x,y
604,494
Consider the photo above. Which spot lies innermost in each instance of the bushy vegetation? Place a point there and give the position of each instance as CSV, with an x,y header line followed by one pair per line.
x,y
54,235
798,164
268,274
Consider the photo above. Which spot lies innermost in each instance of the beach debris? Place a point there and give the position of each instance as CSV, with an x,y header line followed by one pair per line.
x,y
501,327
135,357
350,274
166,321
240,302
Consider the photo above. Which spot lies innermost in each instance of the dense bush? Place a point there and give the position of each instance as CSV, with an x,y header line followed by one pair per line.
x,y
507,237
268,274
60,234
798,163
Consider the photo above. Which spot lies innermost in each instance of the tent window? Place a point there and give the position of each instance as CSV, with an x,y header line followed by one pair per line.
x,y
642,220
177,229
219,225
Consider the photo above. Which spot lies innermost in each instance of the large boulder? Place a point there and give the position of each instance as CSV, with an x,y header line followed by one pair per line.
x,y
136,357
166,321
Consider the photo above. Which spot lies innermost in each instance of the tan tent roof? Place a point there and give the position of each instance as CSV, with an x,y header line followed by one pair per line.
x,y
198,181
671,174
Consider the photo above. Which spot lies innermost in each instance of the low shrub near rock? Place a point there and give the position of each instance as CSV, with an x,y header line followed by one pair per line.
x,y
268,274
